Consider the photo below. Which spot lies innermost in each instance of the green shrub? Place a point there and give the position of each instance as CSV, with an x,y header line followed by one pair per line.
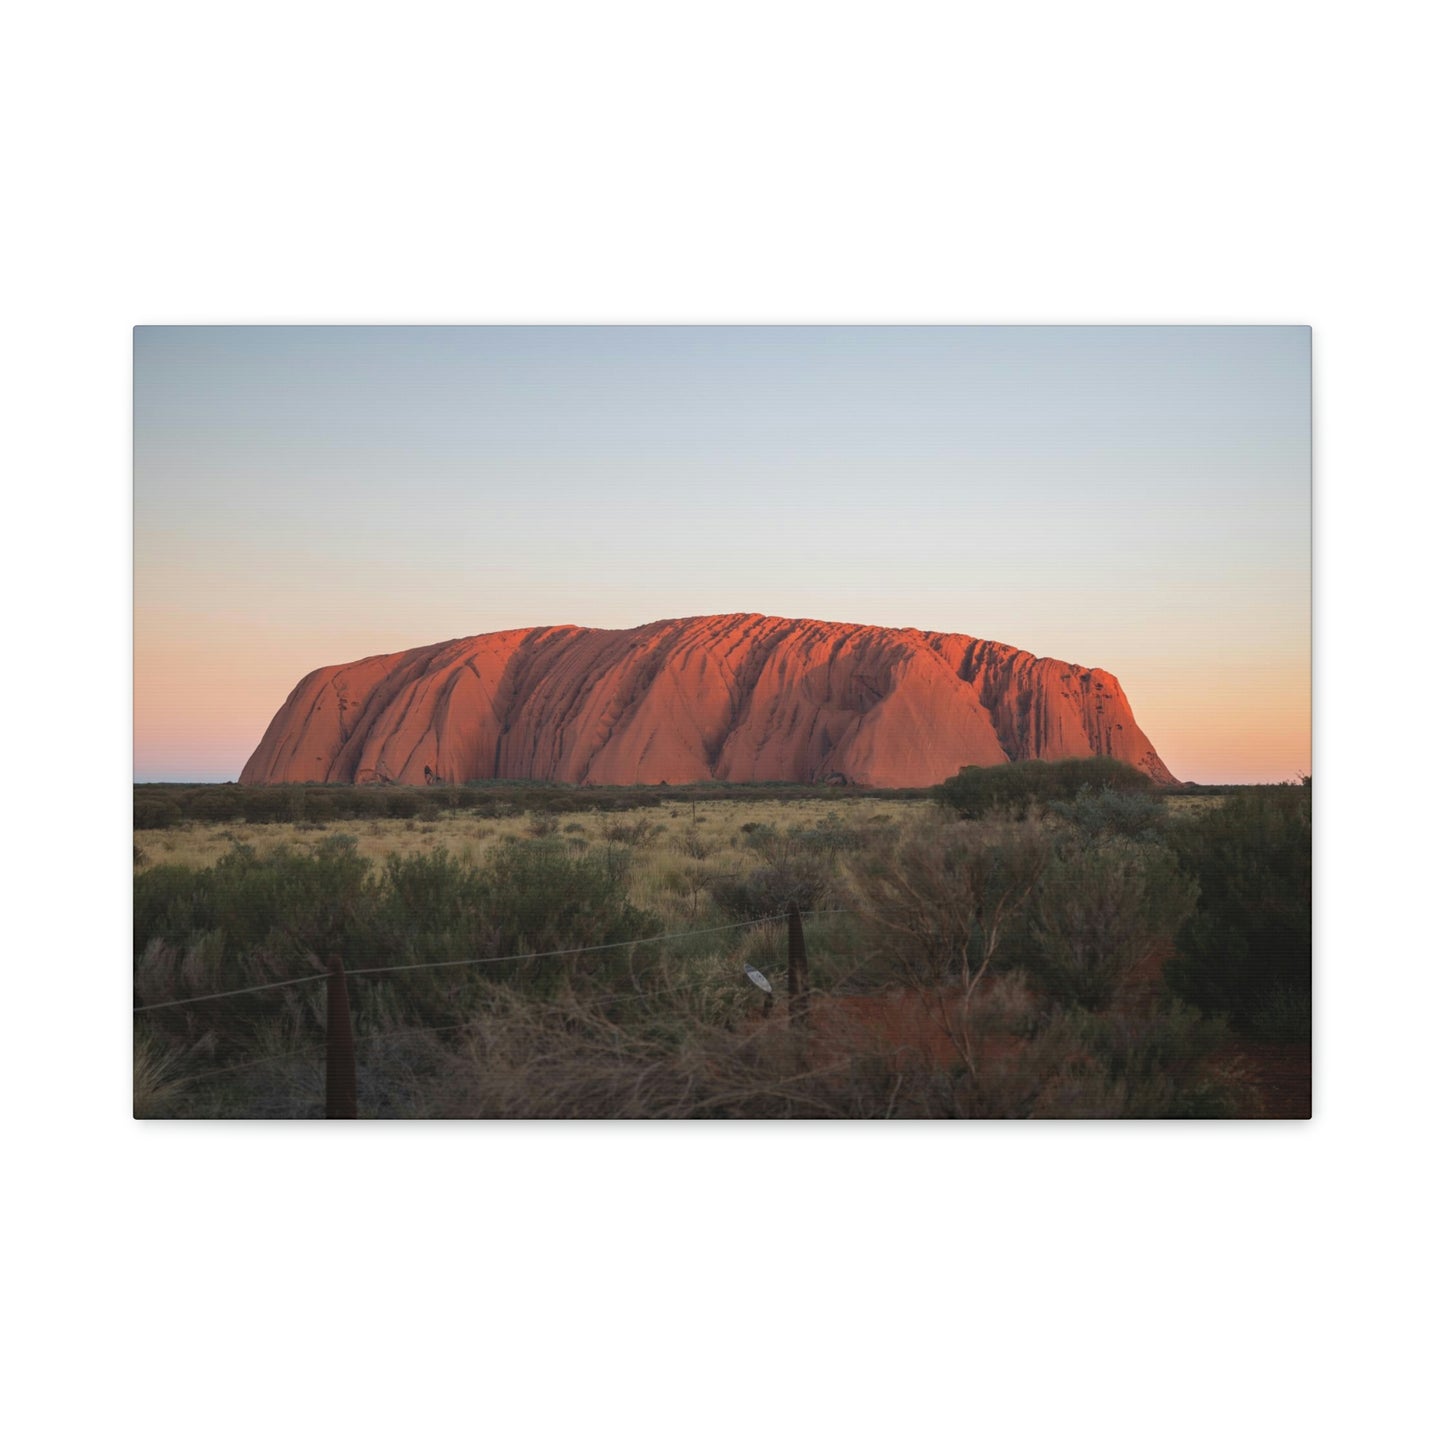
x,y
1155,1065
760,837
1099,912
253,919
935,911
222,804
632,834
1246,952
1013,788
320,806
833,838
432,889
272,805
937,907
1105,813
770,890
1284,1015
540,896
155,813
310,901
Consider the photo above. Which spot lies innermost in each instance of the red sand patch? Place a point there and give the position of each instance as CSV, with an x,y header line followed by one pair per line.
x,y
1278,1078
903,1022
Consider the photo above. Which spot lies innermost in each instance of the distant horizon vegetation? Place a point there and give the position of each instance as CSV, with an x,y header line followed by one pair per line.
x,y
976,789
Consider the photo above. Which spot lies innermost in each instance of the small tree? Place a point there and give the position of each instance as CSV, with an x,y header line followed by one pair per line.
x,y
1014,788
935,910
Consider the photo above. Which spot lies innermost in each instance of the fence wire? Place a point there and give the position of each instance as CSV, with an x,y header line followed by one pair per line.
x,y
587,1000
465,962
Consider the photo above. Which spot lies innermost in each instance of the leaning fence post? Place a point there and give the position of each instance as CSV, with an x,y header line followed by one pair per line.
x,y
340,1049
797,969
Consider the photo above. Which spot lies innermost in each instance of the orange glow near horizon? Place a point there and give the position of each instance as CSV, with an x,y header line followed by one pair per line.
x,y
1135,499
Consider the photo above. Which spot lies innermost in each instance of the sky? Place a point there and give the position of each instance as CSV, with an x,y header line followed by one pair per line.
x,y
1130,498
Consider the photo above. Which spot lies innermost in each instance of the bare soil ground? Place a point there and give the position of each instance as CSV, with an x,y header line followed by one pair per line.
x,y
900,1022
1281,1077
1278,1076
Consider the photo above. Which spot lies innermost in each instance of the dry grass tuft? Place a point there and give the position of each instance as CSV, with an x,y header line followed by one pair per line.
x,y
156,1078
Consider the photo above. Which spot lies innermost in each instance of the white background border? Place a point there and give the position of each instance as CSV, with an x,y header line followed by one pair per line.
x,y
780,162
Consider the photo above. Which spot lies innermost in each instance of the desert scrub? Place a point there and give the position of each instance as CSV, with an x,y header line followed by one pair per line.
x,y
156,1079
767,891
633,835
1076,1064
1100,910
1246,952
252,919
718,825
149,813
934,911
1013,789
832,837
937,906
1103,813
251,900
694,845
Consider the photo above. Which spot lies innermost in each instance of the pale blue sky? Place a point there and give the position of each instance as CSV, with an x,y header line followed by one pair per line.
x,y
1136,499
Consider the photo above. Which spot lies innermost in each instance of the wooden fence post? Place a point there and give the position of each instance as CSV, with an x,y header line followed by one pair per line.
x,y
340,1048
797,970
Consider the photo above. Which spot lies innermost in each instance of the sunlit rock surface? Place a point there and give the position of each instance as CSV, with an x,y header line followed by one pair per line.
x,y
736,698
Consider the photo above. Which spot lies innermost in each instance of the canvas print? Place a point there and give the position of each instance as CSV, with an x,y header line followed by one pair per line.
x,y
722,722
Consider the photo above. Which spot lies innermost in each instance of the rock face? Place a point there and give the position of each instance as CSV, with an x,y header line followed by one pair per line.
x,y
737,698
